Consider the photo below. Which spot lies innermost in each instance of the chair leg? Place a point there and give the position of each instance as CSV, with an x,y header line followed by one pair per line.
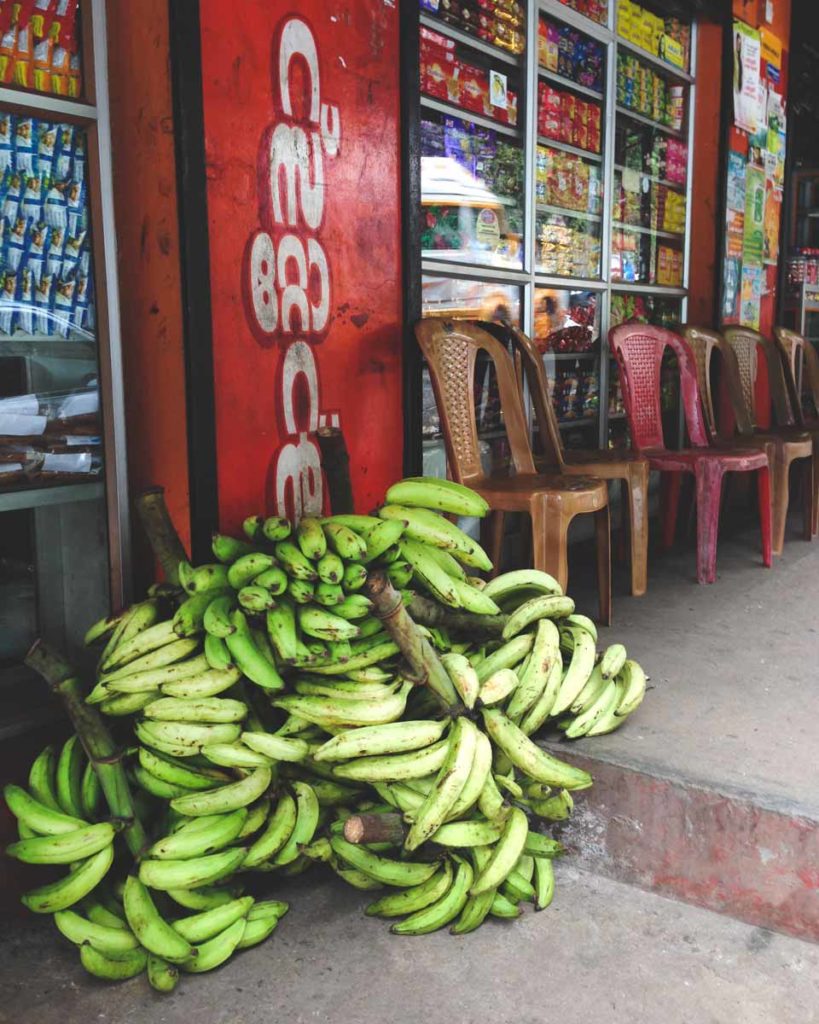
x,y
550,550
763,487
623,534
492,539
811,497
602,524
709,490
669,500
636,491
781,497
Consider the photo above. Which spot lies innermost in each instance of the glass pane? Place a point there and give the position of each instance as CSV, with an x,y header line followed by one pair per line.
x,y
40,46
501,24
567,332
596,10
568,196
669,39
479,300
471,193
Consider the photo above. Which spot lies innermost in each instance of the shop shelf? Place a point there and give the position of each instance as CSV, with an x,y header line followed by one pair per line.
x,y
38,345
566,148
649,289
663,66
50,494
26,101
564,13
639,230
561,211
581,421
466,39
452,110
657,181
642,119
591,354
567,83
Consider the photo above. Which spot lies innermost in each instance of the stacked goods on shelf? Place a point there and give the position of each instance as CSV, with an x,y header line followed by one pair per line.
x,y
445,76
659,156
564,117
40,46
566,52
498,22
46,279
595,10
577,338
281,709
567,181
667,38
566,248
669,267
50,438
641,89
647,309
575,394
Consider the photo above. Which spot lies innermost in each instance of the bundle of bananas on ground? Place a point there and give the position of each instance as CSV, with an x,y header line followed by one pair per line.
x,y
281,709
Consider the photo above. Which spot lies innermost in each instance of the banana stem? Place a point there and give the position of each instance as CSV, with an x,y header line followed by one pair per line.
x,y
375,828
159,528
417,650
430,613
336,465
95,737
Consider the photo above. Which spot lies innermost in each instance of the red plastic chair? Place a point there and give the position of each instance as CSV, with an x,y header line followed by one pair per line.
x,y
638,349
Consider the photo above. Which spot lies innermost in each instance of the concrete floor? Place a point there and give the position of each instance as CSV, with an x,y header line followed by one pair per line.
x,y
604,953
734,699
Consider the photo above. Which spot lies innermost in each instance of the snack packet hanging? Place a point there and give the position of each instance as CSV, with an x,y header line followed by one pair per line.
x,y
65,152
24,315
76,207
46,151
43,304
31,206
38,236
16,243
54,253
7,128
11,200
8,301
64,300
55,207
25,146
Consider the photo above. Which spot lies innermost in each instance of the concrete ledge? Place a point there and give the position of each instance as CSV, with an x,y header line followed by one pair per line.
x,y
716,850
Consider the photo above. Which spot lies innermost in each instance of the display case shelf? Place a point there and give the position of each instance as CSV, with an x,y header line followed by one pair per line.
x,y
38,345
633,115
638,229
587,154
570,355
567,83
649,289
581,421
562,211
40,494
663,67
467,39
451,110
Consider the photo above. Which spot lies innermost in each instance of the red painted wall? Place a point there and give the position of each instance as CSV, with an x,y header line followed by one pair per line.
x,y
148,257
305,260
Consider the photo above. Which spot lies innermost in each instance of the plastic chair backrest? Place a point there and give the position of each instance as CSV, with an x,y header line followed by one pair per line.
x,y
537,379
450,348
801,368
703,342
639,349
746,342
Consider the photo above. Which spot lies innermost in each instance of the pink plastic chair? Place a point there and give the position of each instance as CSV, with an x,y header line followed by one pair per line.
x,y
638,349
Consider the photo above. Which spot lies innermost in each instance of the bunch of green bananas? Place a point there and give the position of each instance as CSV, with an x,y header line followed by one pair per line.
x,y
265,709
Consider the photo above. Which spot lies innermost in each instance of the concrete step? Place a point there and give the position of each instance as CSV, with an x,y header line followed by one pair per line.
x,y
710,792
603,953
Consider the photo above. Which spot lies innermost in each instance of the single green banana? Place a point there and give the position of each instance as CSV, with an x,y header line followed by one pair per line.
x,y
277,748
168,654
189,617
126,704
205,897
508,655
381,739
146,641
595,685
256,817
217,654
276,528
126,965
202,836
206,578
614,657
255,599
235,755
556,808
247,567
414,898
294,563
426,569
200,687
281,630
535,676
383,869
480,771
150,680
448,784
330,568
384,535
544,882
346,543
311,539
73,887
603,706
634,679
328,595
307,819
227,549
202,709
257,931
216,619
355,576
477,908
444,910
474,600
91,795
162,976
541,709
381,650
37,816
42,779
70,767
508,585
498,686
546,606
152,930
430,528
505,854
300,591
216,951
204,925
578,672
225,798
156,787
491,803
538,845
280,826
66,848
583,622
468,833
504,908
354,607
181,739
133,620
274,580
248,657
324,625
109,941
178,773
325,711
464,677
400,573
439,494
102,628
190,874
529,758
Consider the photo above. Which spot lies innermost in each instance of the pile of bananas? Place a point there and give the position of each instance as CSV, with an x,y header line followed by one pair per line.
x,y
272,720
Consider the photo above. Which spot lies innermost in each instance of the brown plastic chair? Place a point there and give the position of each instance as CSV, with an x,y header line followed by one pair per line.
x,y
746,344
450,348
800,366
630,467
782,448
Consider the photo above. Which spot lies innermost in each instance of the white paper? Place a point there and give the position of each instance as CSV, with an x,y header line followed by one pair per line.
x,y
81,404
66,463
10,467
28,405
16,425
75,439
